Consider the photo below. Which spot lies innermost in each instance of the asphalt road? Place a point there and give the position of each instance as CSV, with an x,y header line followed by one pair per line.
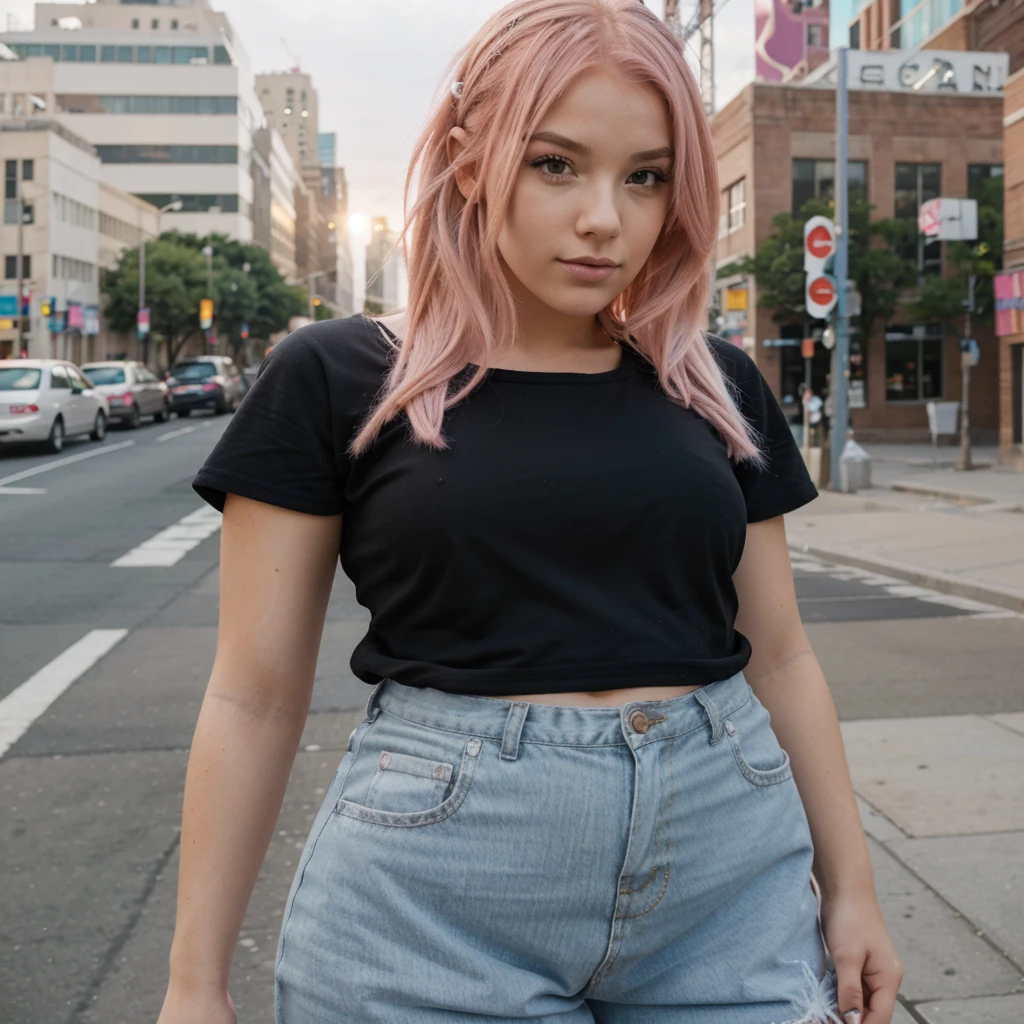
x,y
90,792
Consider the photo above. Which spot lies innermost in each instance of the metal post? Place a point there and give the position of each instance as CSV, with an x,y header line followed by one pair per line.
x,y
21,258
965,461
142,295
841,353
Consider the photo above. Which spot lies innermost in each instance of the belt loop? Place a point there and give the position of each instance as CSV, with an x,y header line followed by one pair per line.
x,y
513,730
714,718
372,708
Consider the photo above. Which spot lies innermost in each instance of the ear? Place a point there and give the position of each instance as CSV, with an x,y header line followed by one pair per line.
x,y
465,177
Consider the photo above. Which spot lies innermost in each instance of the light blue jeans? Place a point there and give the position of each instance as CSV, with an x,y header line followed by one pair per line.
x,y
484,860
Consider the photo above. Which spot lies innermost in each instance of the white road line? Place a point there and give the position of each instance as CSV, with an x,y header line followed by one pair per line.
x,y
22,490
170,546
46,467
20,708
175,433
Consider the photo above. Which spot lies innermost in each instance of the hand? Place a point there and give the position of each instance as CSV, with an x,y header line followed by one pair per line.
x,y
187,1005
869,972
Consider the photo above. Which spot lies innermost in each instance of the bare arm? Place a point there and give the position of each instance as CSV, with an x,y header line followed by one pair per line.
x,y
787,679
276,572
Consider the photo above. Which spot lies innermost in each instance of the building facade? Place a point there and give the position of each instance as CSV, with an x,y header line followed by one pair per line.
x,y
274,215
776,150
1010,284
383,279
290,105
165,95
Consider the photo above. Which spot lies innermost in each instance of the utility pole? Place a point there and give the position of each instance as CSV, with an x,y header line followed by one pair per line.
x,y
965,462
703,21
19,203
841,352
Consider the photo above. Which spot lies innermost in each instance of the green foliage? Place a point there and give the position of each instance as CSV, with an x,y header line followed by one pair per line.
x,y
175,282
875,264
323,312
943,299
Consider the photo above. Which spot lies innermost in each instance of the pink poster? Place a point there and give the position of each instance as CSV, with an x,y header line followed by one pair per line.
x,y
1009,292
790,38
76,321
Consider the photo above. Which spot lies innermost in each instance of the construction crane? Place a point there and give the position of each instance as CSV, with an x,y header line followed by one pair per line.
x,y
702,22
296,67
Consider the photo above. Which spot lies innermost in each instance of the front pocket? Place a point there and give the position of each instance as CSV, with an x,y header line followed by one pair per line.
x,y
760,763
396,782
404,782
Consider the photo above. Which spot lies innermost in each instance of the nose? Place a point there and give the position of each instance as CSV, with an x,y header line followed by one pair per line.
x,y
599,215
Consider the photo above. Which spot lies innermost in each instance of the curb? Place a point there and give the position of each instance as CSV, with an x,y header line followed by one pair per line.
x,y
945,583
976,499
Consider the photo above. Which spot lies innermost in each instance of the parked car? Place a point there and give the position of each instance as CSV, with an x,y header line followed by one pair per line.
x,y
48,400
206,382
131,390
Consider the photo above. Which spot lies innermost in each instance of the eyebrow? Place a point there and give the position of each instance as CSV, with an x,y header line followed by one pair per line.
x,y
578,147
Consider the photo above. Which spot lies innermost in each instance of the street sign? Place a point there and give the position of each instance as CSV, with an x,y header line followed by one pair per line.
x,y
820,295
819,244
6,324
206,314
953,220
8,305
142,321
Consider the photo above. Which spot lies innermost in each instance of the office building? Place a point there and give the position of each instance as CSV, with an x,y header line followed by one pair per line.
x,y
276,185
290,105
164,93
382,291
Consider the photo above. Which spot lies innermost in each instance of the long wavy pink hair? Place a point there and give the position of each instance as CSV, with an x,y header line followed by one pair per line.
x,y
460,307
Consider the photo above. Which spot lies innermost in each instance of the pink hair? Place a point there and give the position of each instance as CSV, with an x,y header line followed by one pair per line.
x,y
460,306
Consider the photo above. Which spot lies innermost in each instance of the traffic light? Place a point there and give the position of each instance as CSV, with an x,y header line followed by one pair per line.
x,y
316,302
46,306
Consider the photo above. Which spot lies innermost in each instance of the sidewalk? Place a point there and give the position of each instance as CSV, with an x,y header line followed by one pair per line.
x,y
931,526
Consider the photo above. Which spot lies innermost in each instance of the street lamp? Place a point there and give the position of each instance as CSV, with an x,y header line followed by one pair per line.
x,y
172,207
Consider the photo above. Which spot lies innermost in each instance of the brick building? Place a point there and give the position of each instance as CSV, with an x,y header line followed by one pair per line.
x,y
776,150
1010,285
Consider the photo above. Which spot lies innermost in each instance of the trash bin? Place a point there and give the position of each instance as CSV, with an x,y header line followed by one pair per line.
x,y
942,418
854,468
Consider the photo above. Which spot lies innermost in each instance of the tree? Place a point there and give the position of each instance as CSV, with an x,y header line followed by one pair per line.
x,y
944,299
876,266
258,296
175,282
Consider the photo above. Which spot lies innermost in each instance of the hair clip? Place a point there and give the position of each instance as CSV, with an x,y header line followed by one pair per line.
x,y
456,88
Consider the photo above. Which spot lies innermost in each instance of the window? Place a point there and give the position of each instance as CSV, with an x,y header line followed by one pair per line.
x,y
59,377
26,266
161,55
221,55
194,203
73,103
916,184
188,54
124,54
108,54
155,154
855,36
815,35
144,54
913,362
87,54
174,24
10,267
135,22
815,179
155,23
69,53
737,204
28,213
28,170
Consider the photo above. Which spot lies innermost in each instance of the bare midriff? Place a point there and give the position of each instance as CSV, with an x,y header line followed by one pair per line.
x,y
604,698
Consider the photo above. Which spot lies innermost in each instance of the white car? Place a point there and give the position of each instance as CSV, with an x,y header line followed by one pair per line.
x,y
47,400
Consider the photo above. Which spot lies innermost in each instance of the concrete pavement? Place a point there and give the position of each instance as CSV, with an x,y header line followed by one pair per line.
x,y
959,533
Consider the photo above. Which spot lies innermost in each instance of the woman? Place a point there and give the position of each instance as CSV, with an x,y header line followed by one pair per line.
x,y
563,507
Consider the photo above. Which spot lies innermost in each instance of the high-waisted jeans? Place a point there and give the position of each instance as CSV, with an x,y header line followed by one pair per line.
x,y
486,860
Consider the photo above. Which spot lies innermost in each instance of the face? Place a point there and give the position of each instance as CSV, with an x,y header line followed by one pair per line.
x,y
593,185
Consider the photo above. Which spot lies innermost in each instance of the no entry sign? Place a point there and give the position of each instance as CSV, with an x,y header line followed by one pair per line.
x,y
819,243
820,295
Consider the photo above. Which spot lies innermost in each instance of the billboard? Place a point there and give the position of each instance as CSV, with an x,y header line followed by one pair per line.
x,y
790,37
1009,289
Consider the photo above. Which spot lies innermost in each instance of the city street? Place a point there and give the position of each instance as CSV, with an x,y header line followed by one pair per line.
x,y
109,608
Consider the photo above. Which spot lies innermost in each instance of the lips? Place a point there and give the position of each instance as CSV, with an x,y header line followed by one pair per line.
x,y
589,269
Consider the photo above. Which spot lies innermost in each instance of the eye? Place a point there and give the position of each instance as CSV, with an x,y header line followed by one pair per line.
x,y
546,163
655,179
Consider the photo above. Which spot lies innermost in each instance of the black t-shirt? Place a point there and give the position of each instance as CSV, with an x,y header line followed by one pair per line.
x,y
580,532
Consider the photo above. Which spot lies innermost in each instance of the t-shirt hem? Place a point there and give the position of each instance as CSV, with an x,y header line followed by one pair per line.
x,y
787,502
213,486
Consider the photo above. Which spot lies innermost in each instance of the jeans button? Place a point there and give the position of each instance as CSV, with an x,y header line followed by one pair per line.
x,y
638,720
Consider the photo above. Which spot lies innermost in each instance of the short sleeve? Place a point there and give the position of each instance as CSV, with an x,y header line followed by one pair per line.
x,y
280,446
783,483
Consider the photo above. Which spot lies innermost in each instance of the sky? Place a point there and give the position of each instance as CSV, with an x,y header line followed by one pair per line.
x,y
377,63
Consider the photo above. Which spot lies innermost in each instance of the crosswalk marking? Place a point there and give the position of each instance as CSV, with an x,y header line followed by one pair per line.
x,y
170,546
